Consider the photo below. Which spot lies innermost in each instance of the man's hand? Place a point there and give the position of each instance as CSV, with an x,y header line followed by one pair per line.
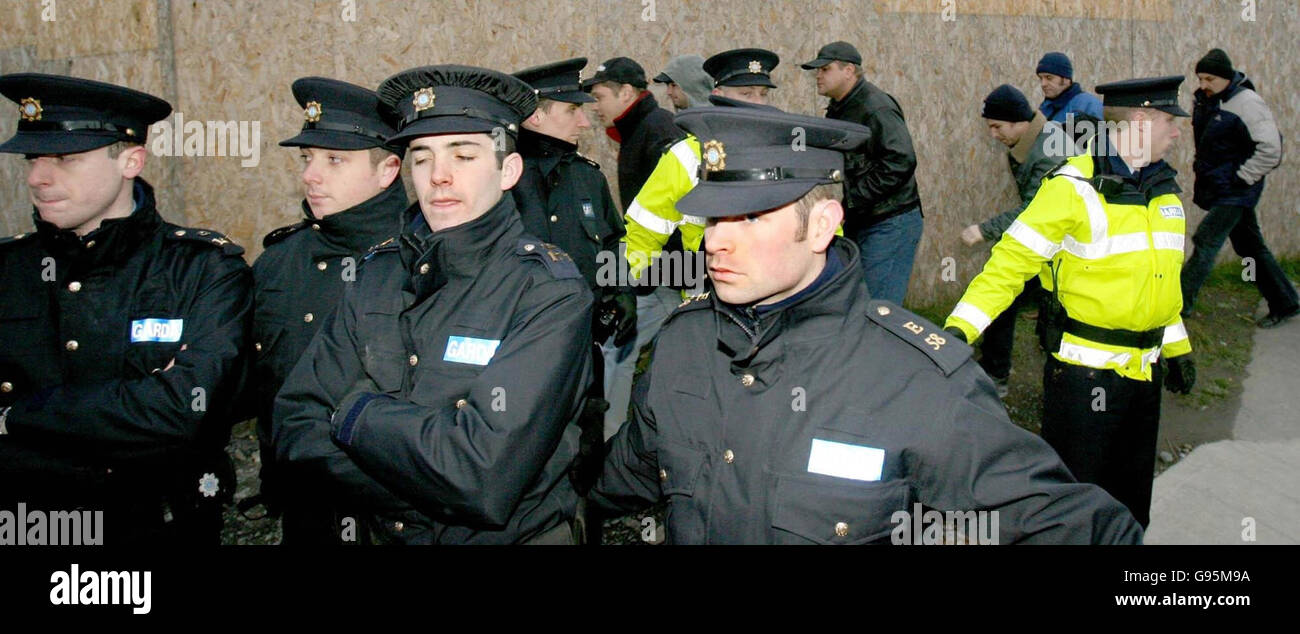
x,y
616,315
972,235
957,333
1180,374
172,363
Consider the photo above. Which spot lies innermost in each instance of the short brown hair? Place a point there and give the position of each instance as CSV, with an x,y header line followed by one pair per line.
x,y
803,206
545,104
116,149
857,70
379,155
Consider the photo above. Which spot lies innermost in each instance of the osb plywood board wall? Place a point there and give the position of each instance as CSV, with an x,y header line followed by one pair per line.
x,y
231,61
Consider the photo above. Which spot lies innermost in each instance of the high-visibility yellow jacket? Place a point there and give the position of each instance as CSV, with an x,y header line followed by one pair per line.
x,y
1118,267
653,215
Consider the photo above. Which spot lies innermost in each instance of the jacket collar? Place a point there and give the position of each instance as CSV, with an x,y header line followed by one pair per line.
x,y
627,123
1060,100
1238,82
543,150
1020,151
114,241
854,94
744,330
1114,180
458,251
358,228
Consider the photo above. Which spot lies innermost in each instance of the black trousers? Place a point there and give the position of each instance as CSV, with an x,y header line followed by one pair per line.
x,y
1241,226
1104,427
996,344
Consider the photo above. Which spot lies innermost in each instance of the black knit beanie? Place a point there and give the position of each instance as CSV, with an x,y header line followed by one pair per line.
x,y
1216,63
1006,103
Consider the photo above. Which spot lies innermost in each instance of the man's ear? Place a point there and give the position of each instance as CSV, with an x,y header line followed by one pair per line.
x,y
131,161
534,119
389,170
826,216
511,169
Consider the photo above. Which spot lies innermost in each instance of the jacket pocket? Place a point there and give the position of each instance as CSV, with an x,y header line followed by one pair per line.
x,y
596,228
826,510
680,467
383,355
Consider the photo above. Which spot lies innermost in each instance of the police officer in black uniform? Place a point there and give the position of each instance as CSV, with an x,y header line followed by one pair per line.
x,y
443,393
562,196
353,200
564,199
785,406
121,335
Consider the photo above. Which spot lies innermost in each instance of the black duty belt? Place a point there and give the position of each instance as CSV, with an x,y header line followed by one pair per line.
x,y
1115,337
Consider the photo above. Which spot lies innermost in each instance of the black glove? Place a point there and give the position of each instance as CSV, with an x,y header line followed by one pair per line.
x,y
586,466
1180,374
616,315
956,332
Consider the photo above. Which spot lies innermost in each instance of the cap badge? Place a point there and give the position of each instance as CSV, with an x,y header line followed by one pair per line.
x,y
312,112
755,66
423,99
600,69
30,109
715,156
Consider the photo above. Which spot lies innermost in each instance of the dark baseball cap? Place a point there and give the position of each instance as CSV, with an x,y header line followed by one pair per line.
x,y
834,52
620,70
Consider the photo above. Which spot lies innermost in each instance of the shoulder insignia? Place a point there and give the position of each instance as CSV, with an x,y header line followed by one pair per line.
x,y
946,351
17,238
554,258
690,304
694,299
203,236
282,233
387,245
588,161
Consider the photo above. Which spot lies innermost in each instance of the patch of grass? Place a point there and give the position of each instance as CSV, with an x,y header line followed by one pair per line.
x,y
1221,328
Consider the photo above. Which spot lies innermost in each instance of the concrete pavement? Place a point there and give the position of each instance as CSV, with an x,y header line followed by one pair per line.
x,y
1245,490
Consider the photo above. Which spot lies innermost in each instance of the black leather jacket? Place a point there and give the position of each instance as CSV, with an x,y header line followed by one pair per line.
x,y
881,178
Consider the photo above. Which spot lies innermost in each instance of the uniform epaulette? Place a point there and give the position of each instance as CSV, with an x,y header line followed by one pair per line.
x,y
387,245
554,258
692,303
589,161
17,238
204,236
282,233
945,350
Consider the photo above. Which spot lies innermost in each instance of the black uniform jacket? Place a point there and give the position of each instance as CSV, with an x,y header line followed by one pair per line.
x,y
564,199
738,421
881,177
297,283
443,393
88,326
